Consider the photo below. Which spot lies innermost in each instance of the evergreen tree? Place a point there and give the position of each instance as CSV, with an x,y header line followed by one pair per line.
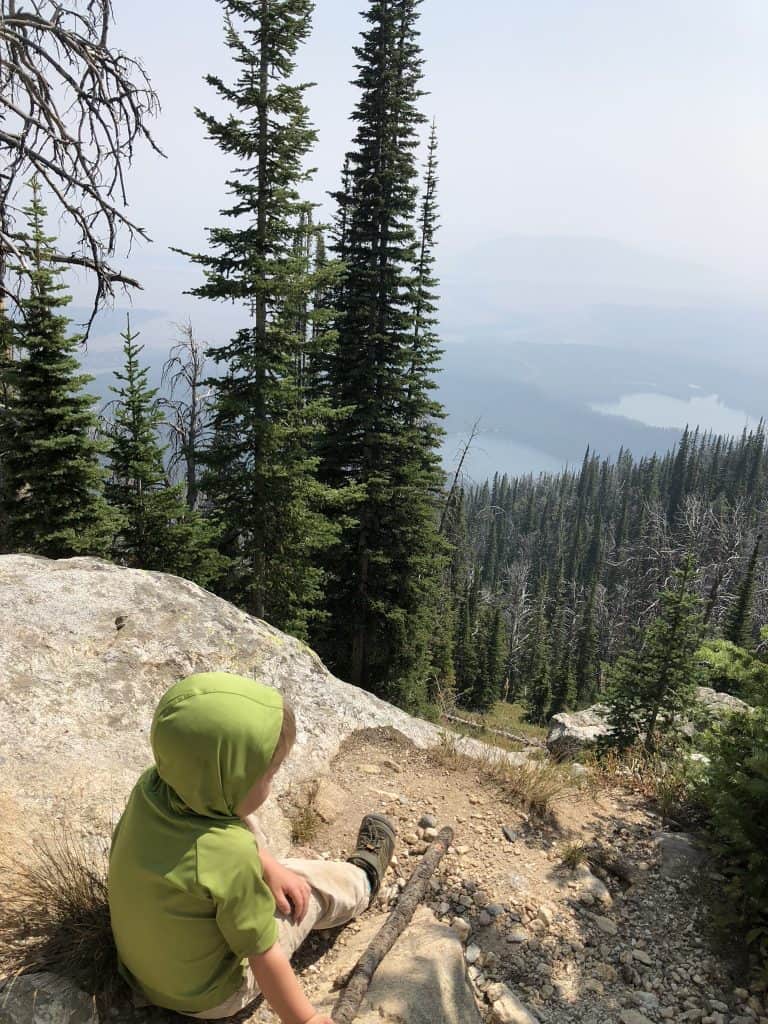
x,y
738,625
261,467
159,531
467,654
386,571
653,684
52,480
538,684
586,669
487,689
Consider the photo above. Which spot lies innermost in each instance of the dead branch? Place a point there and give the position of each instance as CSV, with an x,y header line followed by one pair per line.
x,y
527,741
71,112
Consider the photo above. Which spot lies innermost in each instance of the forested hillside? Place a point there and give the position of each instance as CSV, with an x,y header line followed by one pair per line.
x,y
573,563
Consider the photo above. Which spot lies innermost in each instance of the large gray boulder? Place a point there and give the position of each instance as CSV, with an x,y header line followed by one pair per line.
x,y
571,732
86,650
717,705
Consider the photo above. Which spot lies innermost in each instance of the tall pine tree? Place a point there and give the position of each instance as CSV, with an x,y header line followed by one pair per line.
x,y
52,480
385,573
261,467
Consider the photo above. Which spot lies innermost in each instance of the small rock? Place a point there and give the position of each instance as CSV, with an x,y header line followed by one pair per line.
x,y
606,925
329,801
508,1008
546,915
509,834
462,928
680,854
633,1017
427,821
45,999
472,954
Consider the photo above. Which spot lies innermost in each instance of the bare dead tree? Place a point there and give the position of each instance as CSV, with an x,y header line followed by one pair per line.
x,y
71,111
188,406
457,475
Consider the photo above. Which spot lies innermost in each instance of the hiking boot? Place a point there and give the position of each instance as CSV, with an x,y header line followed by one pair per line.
x,y
375,847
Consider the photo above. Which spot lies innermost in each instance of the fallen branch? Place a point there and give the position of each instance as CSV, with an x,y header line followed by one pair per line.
x,y
350,1000
526,740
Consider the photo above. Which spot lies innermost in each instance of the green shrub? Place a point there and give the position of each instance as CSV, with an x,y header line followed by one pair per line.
x,y
734,790
732,669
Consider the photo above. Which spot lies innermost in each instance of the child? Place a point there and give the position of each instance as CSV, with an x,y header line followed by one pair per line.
x,y
204,917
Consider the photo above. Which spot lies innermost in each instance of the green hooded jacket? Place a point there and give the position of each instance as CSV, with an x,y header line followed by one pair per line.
x,y
187,896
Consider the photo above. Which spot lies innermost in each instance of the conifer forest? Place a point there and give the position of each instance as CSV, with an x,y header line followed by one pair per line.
x,y
296,470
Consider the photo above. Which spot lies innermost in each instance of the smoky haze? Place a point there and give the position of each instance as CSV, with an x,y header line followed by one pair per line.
x,y
603,170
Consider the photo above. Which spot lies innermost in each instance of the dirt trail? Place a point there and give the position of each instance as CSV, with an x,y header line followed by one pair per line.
x,y
572,946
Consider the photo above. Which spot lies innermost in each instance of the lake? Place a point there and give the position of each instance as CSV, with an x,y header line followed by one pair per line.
x,y
705,411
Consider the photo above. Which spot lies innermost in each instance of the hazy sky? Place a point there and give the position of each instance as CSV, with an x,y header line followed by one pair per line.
x,y
643,121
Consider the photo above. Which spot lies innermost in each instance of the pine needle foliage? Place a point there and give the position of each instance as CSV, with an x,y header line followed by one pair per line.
x,y
735,793
261,468
653,684
384,575
52,478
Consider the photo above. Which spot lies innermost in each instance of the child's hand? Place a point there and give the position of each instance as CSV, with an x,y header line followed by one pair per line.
x,y
291,894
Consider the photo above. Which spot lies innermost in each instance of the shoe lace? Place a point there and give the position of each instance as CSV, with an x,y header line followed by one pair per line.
x,y
371,837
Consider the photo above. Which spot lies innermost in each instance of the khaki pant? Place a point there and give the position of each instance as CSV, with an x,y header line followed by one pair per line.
x,y
340,892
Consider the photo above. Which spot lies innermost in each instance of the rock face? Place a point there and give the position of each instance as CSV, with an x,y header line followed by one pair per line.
x,y
719,704
44,999
86,650
574,731
429,956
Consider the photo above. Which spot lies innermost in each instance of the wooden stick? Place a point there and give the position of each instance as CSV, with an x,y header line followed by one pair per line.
x,y
350,1000
525,740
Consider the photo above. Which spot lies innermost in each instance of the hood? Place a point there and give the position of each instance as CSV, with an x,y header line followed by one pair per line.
x,y
213,735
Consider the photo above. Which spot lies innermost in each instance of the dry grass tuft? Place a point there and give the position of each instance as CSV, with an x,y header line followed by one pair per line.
x,y
305,821
534,786
664,781
54,915
574,854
